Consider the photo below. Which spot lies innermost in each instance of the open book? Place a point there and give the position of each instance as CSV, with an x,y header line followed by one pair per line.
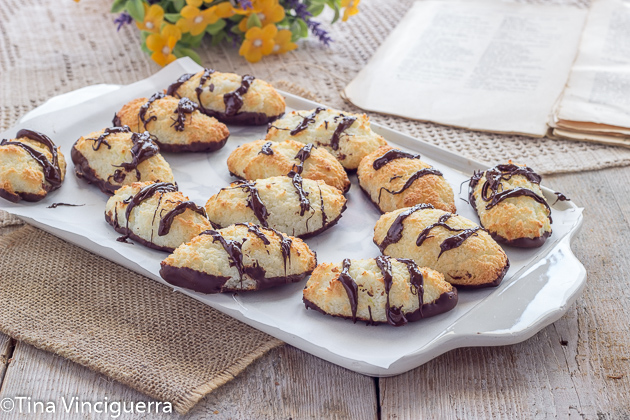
x,y
506,67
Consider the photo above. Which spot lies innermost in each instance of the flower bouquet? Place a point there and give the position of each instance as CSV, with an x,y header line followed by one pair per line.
x,y
175,28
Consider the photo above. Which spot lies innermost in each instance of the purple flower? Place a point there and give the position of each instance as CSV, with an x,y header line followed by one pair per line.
x,y
320,33
301,12
245,4
123,19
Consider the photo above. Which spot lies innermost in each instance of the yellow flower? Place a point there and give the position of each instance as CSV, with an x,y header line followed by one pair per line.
x,y
195,21
268,11
153,18
223,10
258,42
351,8
283,42
162,44
194,3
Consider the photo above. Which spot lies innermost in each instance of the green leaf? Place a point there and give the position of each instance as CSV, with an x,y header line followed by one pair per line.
x,y
136,9
316,9
179,4
235,30
253,20
337,13
172,17
216,27
216,39
118,6
303,28
146,49
183,51
144,35
195,41
296,31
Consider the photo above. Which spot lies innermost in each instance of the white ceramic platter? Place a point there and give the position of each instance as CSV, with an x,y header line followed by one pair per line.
x,y
536,291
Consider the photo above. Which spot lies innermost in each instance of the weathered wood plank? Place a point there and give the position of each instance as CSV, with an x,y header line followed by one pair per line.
x,y
286,383
577,367
6,346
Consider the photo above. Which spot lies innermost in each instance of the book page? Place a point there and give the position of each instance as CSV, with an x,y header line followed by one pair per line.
x,y
598,90
483,65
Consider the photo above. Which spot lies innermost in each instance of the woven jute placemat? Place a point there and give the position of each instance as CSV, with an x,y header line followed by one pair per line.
x,y
63,299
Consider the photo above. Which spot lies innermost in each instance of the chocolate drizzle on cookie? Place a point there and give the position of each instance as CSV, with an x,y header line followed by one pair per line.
x,y
390,155
51,169
234,100
253,201
410,181
142,114
172,89
111,130
184,106
394,233
207,74
352,289
235,255
143,148
451,242
135,200
345,123
394,315
266,149
296,180
167,220
303,154
492,190
321,201
306,121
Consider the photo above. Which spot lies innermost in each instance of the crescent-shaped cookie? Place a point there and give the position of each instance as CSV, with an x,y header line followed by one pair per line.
x,y
230,98
446,242
290,204
378,290
511,205
264,159
31,166
116,156
394,179
177,125
346,136
155,215
240,257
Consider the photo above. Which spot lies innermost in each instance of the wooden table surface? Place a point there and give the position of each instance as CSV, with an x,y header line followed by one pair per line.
x,y
578,367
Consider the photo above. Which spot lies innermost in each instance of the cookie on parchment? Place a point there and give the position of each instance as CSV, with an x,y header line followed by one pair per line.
x,y
511,205
378,290
31,166
240,257
394,179
230,98
156,215
116,156
346,136
451,244
264,159
177,124
290,204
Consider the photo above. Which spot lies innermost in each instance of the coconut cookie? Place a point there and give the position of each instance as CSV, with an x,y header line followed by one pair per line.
x,y
31,166
290,204
155,215
347,136
177,125
230,98
379,290
263,159
511,205
394,179
448,243
238,258
115,156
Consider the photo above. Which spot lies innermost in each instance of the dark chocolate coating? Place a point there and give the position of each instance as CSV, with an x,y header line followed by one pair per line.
x,y
192,147
83,170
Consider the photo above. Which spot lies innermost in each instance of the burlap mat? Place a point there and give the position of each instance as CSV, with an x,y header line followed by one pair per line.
x,y
76,44
63,299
